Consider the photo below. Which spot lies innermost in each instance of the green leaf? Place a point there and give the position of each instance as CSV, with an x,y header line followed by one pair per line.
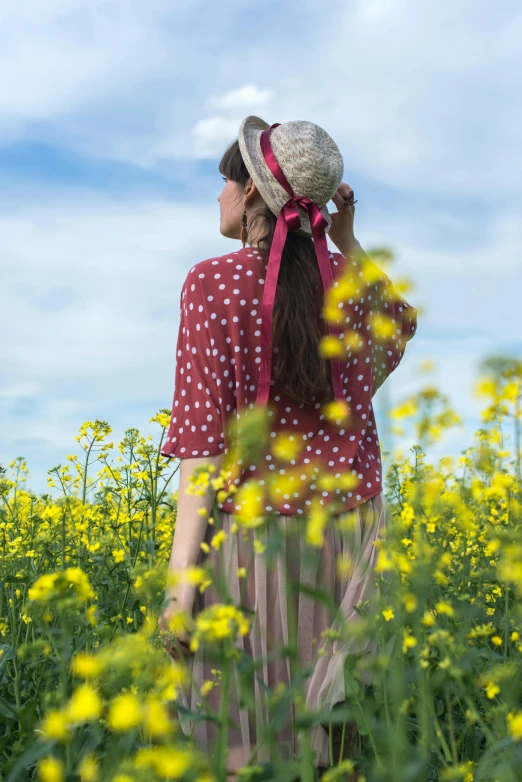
x,y
352,688
28,715
36,751
322,716
7,710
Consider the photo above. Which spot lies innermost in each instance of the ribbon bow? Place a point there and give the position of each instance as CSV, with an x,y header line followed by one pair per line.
x,y
288,220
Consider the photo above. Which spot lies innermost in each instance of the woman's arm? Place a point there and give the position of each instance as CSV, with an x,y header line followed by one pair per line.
x,y
190,528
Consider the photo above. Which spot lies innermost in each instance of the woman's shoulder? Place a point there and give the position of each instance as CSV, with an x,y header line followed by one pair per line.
x,y
219,262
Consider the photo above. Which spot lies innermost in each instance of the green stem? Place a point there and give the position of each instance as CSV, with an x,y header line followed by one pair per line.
x,y
63,541
16,683
370,736
306,764
440,736
487,732
221,755
450,728
506,622
341,751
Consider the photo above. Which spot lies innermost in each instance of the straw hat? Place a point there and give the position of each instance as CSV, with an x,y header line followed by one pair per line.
x,y
308,156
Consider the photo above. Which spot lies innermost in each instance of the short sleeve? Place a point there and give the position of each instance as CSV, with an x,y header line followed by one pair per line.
x,y
380,312
387,353
196,425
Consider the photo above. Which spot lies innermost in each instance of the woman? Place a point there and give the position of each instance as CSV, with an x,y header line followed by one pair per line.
x,y
251,326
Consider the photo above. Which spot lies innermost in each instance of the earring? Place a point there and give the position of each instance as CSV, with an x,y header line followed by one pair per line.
x,y
244,232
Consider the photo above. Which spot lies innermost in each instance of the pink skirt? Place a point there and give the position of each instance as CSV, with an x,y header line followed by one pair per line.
x,y
263,591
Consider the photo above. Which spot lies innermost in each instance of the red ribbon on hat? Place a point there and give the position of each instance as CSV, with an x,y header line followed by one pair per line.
x,y
288,220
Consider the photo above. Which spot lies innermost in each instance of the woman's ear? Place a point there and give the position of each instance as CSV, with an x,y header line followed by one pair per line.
x,y
251,190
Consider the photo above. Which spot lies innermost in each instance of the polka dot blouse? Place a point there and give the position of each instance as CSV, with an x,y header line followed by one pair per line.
x,y
217,368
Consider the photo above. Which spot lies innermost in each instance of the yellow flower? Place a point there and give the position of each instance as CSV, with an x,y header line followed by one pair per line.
x,y
86,665
515,724
167,762
408,641
444,608
250,500
409,408
428,619
514,636
338,410
85,704
259,546
90,615
171,678
76,576
217,539
55,585
339,771
193,575
497,640
407,514
42,587
331,346
410,602
54,725
383,561
316,524
118,555
217,623
50,769
285,447
388,613
492,689
206,687
156,719
382,326
88,769
124,712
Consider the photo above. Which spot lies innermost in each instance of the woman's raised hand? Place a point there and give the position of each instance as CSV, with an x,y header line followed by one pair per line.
x,y
341,231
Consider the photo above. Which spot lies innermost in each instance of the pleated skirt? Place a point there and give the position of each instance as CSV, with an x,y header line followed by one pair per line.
x,y
276,616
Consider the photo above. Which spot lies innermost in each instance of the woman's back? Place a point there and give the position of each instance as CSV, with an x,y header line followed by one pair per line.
x,y
220,341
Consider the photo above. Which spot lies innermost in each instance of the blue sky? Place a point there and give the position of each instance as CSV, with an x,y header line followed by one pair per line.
x,y
113,118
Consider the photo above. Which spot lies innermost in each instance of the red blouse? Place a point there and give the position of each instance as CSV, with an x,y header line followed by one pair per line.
x,y
218,360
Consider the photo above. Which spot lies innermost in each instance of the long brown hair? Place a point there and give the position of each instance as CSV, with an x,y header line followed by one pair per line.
x,y
297,366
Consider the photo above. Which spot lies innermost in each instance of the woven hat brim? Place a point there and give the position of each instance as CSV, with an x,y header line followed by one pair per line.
x,y
272,193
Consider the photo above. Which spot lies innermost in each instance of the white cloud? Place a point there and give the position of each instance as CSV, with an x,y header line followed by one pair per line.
x,y
212,135
242,99
418,96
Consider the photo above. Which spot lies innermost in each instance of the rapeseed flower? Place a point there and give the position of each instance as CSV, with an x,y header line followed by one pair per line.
x,y
55,725
88,768
514,720
84,705
166,762
124,712
51,769
86,666
219,623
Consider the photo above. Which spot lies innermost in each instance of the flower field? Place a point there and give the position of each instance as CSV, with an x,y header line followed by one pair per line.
x,y
88,691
